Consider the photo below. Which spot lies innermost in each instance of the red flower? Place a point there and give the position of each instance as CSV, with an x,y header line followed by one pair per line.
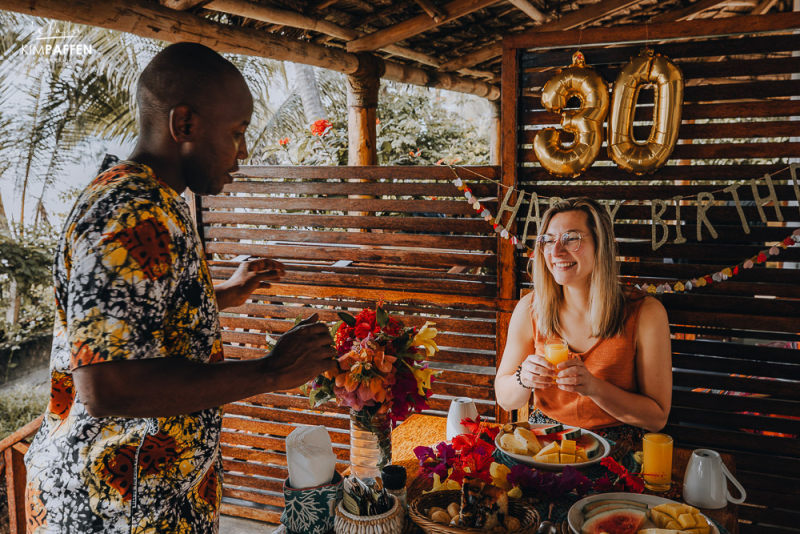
x,y
320,127
613,466
284,141
362,330
635,483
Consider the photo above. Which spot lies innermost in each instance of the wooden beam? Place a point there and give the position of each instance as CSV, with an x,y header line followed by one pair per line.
x,y
414,26
529,9
584,15
674,15
687,29
153,21
182,5
264,13
432,10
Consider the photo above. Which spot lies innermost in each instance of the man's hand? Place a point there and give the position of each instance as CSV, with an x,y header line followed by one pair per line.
x,y
302,353
249,276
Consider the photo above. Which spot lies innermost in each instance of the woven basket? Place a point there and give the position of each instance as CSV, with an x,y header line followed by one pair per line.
x,y
390,522
527,514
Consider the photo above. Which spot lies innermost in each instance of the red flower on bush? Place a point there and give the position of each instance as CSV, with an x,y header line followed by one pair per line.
x,y
284,141
320,127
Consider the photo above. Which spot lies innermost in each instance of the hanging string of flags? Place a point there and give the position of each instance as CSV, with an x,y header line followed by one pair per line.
x,y
680,286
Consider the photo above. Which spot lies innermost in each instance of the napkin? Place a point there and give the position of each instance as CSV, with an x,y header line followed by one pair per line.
x,y
310,457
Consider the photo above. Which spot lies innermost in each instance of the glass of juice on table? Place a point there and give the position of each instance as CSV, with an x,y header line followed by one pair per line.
x,y
657,467
556,351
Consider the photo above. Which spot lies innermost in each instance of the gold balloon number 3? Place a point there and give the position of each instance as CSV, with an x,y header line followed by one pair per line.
x,y
586,124
628,153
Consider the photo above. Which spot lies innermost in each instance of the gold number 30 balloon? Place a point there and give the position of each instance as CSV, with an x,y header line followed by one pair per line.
x,y
645,69
586,123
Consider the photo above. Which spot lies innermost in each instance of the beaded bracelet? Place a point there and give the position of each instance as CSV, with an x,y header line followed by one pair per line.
x,y
519,378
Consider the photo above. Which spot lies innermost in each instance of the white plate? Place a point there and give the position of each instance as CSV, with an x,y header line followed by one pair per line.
x,y
528,460
575,514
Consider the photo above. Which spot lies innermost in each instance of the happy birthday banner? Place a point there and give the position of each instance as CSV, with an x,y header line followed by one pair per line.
x,y
658,207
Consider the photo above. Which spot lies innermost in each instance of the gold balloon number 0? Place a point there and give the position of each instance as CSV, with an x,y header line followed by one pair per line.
x,y
586,123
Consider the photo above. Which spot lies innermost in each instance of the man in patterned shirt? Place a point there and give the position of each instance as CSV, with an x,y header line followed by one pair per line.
x,y
130,440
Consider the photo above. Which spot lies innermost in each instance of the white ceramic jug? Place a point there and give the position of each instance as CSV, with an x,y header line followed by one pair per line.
x,y
460,408
705,484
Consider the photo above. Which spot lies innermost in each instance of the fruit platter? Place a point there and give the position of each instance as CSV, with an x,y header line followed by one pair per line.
x,y
551,446
632,513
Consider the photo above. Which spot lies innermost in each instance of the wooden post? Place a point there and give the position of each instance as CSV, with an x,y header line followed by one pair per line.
x,y
506,252
494,133
362,115
362,107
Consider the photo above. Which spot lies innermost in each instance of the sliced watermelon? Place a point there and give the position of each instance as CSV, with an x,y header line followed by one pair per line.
x,y
545,430
625,521
573,434
612,506
590,444
597,504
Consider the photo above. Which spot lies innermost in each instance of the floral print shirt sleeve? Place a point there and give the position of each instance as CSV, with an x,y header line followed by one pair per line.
x,y
131,282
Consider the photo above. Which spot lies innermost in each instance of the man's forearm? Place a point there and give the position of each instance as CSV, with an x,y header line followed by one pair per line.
x,y
164,387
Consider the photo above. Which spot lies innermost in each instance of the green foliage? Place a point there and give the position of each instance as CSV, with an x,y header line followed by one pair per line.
x,y
27,259
19,405
416,126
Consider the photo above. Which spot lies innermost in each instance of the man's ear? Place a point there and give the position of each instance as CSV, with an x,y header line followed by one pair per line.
x,y
182,123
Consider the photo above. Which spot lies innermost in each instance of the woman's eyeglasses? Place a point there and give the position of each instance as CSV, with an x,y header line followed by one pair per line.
x,y
570,241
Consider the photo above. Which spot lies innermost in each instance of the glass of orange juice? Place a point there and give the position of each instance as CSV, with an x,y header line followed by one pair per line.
x,y
657,467
556,351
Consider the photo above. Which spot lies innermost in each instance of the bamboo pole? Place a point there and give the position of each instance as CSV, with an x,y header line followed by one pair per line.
x,y
153,21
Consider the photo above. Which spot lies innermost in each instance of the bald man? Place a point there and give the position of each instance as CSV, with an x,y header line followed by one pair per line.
x,y
130,439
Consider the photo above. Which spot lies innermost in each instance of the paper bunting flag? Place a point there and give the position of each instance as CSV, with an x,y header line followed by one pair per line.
x,y
653,289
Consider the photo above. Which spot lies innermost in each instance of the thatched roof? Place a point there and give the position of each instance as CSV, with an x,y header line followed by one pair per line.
x,y
463,37
452,44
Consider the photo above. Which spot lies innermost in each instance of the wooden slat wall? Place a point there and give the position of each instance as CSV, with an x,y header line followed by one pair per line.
x,y
420,249
740,113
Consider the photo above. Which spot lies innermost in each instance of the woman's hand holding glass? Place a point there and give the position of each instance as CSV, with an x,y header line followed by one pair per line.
x,y
537,372
575,377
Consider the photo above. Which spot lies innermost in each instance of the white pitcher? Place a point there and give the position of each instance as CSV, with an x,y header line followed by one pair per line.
x,y
704,484
460,408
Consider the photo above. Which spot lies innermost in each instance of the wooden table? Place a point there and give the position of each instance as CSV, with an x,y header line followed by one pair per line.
x,y
429,430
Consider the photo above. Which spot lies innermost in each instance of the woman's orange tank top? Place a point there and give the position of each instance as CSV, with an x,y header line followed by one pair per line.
x,y
612,360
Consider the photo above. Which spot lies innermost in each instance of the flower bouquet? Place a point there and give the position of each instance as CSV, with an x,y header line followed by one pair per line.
x,y
381,376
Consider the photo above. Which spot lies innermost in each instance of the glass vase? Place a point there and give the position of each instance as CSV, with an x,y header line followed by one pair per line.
x,y
370,444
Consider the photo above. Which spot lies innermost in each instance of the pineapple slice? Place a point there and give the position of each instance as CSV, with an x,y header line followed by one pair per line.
x,y
673,525
568,446
548,458
511,444
527,437
550,449
580,456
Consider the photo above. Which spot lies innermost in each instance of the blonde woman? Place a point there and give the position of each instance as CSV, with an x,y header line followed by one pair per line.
x,y
618,378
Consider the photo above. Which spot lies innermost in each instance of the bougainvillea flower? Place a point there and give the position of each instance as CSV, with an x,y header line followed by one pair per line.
x,y
383,362
425,338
